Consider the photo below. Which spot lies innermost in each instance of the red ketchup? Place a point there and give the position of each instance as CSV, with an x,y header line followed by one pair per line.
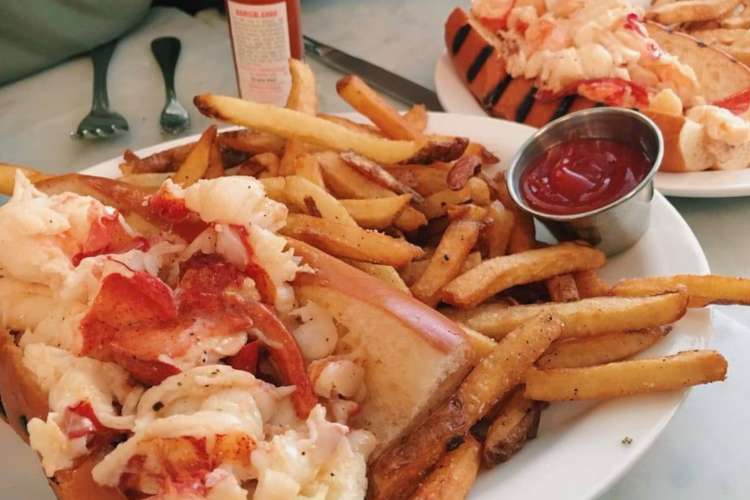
x,y
582,175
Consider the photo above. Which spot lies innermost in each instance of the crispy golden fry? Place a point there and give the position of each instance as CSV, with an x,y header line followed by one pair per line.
x,y
462,171
424,179
364,99
380,175
397,472
498,274
352,242
411,272
702,290
516,422
691,11
252,142
215,162
275,188
589,284
8,176
148,180
562,288
482,345
472,261
303,94
376,213
417,117
292,151
496,235
345,182
298,189
454,474
386,274
448,260
436,205
439,148
599,349
164,161
625,378
523,235
292,124
364,128
476,149
583,318
307,166
480,191
196,163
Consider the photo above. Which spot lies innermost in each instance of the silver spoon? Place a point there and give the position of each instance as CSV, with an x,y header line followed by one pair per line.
x,y
174,117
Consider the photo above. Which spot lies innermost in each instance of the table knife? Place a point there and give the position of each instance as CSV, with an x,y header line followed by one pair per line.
x,y
385,81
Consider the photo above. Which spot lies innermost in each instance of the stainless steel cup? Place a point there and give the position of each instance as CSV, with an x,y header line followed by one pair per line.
x,y
617,226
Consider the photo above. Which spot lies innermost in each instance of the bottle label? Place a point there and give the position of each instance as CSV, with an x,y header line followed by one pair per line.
x,y
260,35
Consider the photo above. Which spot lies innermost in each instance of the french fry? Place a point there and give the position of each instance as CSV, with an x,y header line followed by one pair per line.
x,y
482,345
523,235
476,149
454,474
589,284
599,349
378,174
297,189
8,176
516,422
439,148
448,260
252,142
352,242
562,288
376,213
364,99
472,261
164,161
691,11
398,471
307,166
498,274
702,290
364,128
424,179
436,205
275,188
292,151
387,274
292,124
480,191
462,171
496,235
196,163
586,317
417,117
215,162
345,182
303,96
411,272
625,378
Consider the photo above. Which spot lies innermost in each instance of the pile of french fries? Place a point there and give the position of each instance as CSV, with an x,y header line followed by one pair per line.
x,y
724,24
419,212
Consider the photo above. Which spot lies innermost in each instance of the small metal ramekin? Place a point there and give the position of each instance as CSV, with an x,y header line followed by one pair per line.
x,y
619,225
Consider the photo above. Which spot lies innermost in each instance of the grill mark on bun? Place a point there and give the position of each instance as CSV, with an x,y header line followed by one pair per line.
x,y
523,109
564,106
491,99
476,66
460,38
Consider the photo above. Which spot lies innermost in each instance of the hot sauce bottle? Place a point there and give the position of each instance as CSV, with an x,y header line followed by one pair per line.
x,y
264,35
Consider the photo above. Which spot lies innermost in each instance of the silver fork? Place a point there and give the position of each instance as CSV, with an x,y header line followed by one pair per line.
x,y
101,123
174,117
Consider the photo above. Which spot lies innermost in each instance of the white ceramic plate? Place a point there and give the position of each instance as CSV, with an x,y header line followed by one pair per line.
x,y
456,98
578,453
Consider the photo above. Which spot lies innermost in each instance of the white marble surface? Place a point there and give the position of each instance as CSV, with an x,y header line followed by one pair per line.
x,y
704,452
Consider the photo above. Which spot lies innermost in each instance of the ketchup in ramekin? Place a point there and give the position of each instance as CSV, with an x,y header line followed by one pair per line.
x,y
580,175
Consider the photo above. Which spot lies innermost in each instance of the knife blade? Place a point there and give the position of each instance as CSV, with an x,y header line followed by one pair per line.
x,y
389,83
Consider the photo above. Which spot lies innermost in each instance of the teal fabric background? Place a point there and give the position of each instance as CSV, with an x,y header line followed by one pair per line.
x,y
35,34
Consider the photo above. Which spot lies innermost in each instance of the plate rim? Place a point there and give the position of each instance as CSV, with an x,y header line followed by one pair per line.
x,y
623,465
665,182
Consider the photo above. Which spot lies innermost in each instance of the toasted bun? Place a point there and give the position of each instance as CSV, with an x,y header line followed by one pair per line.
x,y
683,143
415,356
23,399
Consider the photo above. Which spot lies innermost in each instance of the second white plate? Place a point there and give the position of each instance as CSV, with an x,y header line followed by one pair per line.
x,y
456,98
